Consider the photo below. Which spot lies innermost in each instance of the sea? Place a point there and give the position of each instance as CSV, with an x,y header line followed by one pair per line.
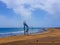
x,y
5,32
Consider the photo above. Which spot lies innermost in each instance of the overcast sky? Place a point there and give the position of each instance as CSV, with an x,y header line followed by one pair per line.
x,y
36,13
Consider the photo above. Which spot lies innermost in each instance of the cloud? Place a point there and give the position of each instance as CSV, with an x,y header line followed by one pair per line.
x,y
20,6
25,8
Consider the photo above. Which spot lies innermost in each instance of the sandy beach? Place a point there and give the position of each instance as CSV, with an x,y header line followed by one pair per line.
x,y
49,37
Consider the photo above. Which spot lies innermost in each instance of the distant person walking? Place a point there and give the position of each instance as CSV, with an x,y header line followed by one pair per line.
x,y
26,28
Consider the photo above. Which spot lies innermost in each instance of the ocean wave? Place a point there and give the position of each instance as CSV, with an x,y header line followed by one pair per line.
x,y
13,32
18,33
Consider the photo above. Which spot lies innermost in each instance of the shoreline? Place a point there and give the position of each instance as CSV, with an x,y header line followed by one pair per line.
x,y
18,33
51,36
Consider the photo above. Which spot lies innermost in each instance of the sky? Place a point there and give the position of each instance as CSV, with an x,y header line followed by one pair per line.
x,y
36,13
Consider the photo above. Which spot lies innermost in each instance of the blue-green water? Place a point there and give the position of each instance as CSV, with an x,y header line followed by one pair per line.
x,y
4,32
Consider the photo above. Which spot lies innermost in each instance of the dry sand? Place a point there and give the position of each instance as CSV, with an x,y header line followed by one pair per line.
x,y
50,37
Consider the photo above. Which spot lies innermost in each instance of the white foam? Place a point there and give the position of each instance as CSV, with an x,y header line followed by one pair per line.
x,y
13,32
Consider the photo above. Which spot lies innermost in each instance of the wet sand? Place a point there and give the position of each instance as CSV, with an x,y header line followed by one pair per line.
x,y
50,37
